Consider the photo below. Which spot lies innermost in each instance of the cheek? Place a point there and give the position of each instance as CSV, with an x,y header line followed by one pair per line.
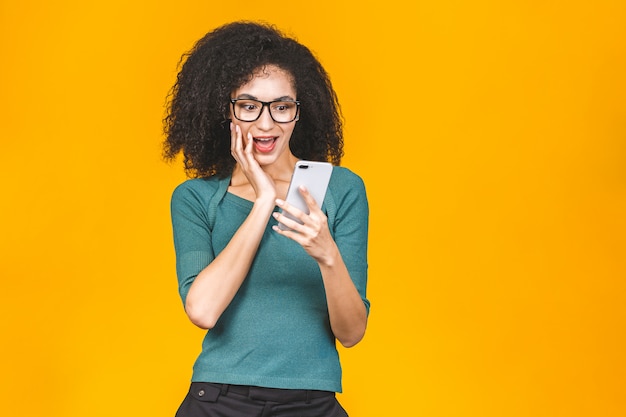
x,y
289,131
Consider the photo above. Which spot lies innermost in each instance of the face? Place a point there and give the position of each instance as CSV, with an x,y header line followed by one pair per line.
x,y
271,139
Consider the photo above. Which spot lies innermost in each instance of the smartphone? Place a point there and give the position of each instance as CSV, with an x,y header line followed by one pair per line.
x,y
315,177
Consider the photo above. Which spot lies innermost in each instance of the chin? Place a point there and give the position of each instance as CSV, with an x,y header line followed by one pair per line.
x,y
265,159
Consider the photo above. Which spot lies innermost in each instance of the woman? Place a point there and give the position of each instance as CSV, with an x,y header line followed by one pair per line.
x,y
248,103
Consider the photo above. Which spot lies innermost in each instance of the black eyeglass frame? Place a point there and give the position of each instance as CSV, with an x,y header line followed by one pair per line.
x,y
264,104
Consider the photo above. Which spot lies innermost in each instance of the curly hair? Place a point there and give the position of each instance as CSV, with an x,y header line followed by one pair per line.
x,y
226,58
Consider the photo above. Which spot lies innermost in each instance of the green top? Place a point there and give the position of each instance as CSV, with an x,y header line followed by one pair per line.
x,y
276,331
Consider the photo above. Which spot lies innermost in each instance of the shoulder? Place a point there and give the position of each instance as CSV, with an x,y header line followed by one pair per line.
x,y
344,181
346,205
197,190
346,193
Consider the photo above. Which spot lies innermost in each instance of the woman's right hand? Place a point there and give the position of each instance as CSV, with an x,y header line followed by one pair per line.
x,y
242,151
216,285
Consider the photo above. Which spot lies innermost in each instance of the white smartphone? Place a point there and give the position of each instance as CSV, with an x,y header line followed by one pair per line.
x,y
315,176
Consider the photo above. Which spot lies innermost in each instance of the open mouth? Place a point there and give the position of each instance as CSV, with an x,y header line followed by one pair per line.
x,y
265,144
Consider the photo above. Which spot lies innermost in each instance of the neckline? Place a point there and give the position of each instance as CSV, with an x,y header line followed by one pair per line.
x,y
238,199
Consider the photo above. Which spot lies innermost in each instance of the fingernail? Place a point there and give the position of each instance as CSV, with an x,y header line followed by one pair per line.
x,y
279,202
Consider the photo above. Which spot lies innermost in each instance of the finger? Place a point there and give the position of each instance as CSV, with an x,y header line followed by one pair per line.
x,y
236,145
308,199
291,234
288,222
294,211
249,145
248,153
233,137
291,229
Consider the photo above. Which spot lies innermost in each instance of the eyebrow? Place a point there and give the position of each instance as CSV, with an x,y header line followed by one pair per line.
x,y
251,97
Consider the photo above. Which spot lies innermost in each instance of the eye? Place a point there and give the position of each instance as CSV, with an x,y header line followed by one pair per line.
x,y
248,106
283,106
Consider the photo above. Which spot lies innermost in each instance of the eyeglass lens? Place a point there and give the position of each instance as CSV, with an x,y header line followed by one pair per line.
x,y
249,110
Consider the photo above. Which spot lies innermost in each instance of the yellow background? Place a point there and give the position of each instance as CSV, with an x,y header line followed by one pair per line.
x,y
491,136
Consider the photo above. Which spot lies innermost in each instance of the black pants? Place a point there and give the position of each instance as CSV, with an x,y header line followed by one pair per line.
x,y
223,400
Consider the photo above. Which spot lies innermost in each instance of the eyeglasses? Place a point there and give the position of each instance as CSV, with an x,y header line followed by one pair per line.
x,y
249,110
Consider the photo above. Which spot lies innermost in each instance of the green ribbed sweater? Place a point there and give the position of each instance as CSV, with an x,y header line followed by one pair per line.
x,y
276,331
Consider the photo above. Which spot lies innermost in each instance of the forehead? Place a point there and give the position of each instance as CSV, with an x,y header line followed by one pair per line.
x,y
268,82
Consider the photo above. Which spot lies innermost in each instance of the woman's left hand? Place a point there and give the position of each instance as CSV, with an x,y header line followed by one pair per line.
x,y
348,317
313,234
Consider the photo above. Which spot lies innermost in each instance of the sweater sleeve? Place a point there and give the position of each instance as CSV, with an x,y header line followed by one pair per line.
x,y
351,226
192,233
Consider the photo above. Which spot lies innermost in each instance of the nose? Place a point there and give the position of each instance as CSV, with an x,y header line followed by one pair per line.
x,y
265,120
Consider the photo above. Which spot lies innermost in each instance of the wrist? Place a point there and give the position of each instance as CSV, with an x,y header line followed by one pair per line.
x,y
265,202
330,259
